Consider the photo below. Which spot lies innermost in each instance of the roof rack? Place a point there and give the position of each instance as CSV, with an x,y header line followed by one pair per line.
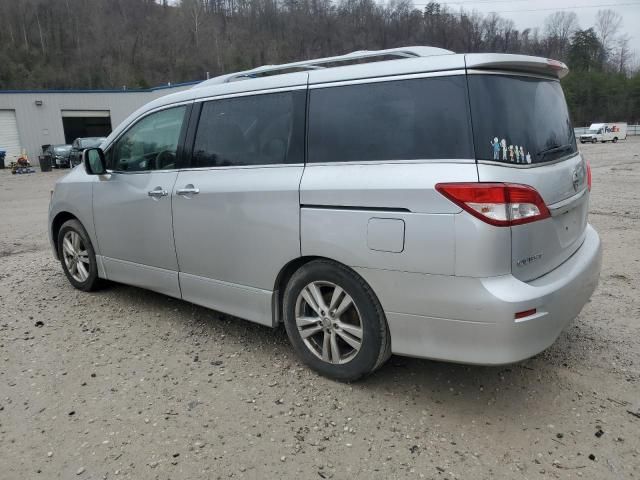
x,y
403,52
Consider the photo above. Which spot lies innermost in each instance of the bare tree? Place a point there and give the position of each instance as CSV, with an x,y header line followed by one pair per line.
x,y
561,24
623,54
558,28
608,24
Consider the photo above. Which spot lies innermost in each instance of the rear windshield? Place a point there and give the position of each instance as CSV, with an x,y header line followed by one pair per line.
x,y
519,120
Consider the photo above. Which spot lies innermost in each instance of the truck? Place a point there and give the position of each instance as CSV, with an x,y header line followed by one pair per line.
x,y
605,132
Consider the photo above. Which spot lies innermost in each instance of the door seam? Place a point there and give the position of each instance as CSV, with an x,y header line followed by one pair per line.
x,y
173,232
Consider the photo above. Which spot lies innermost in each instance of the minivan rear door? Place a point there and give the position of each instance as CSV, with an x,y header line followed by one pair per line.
x,y
522,134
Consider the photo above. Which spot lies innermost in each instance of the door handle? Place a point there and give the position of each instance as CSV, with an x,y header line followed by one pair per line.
x,y
188,190
157,192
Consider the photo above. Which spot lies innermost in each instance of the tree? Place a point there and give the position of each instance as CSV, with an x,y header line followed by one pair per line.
x,y
586,52
608,24
559,27
116,43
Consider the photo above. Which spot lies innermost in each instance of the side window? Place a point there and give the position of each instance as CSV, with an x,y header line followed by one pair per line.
x,y
262,129
150,144
425,118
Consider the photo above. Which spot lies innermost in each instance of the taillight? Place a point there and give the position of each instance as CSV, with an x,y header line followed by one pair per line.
x,y
499,204
588,175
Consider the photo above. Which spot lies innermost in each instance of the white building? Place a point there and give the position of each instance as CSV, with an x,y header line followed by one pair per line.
x,y
30,119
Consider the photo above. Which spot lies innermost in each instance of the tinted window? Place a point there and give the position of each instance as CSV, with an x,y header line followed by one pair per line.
x,y
396,120
150,144
519,119
255,130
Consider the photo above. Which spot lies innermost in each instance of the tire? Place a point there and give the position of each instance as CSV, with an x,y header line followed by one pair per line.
x,y
363,316
615,140
594,140
85,274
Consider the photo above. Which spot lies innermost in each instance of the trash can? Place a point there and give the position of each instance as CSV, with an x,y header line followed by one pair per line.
x,y
45,163
3,154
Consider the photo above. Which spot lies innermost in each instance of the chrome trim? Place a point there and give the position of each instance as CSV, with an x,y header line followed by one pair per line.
x,y
122,172
513,73
528,165
238,167
567,204
393,162
249,93
389,78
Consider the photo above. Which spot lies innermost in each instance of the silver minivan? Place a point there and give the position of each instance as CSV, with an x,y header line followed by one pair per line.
x,y
410,201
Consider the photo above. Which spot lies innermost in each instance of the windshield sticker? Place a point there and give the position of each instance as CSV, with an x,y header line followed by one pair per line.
x,y
509,153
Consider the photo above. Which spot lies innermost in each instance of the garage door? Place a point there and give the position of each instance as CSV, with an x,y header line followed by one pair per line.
x,y
9,138
85,123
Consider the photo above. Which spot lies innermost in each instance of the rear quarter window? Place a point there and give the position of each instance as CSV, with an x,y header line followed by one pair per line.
x,y
425,118
519,119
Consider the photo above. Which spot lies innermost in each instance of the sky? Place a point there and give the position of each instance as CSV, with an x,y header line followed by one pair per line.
x,y
531,13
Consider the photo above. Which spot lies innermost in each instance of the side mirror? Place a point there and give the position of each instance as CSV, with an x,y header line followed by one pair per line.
x,y
94,161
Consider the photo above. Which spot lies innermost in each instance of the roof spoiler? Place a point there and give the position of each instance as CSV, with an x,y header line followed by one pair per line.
x,y
516,63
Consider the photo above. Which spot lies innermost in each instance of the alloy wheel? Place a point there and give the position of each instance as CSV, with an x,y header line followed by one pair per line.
x,y
76,256
329,322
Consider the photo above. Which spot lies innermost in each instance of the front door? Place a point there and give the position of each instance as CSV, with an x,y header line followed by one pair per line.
x,y
132,203
236,212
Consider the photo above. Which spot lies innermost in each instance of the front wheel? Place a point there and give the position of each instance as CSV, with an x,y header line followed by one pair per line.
x,y
335,322
595,140
77,256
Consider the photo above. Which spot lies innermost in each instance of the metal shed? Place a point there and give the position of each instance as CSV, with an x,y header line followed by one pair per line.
x,y
30,119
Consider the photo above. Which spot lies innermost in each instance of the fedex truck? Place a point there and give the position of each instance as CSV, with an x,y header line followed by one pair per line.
x,y
605,132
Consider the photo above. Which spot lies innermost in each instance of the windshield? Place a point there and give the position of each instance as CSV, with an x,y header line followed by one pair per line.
x,y
520,120
593,130
62,149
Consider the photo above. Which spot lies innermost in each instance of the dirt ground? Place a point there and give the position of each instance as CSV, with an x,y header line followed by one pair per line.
x,y
125,383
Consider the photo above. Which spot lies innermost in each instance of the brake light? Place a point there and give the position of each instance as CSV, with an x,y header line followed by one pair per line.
x,y
499,204
588,175
555,64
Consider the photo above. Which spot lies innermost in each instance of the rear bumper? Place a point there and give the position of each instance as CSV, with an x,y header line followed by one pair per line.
x,y
472,320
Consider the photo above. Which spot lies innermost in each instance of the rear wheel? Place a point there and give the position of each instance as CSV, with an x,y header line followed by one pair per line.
x,y
77,256
335,322
615,139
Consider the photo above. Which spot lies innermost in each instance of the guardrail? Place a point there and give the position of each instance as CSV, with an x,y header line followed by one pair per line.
x,y
631,130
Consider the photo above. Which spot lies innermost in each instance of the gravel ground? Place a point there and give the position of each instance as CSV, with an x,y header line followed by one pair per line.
x,y
125,383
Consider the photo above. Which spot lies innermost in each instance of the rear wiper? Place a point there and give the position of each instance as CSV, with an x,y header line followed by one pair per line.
x,y
557,148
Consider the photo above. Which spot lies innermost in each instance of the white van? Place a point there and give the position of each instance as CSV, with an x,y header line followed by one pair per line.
x,y
605,132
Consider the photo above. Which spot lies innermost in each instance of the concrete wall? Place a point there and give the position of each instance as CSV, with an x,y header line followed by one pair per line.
x,y
41,125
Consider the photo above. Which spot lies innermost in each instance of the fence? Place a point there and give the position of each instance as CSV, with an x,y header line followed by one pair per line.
x,y
631,130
